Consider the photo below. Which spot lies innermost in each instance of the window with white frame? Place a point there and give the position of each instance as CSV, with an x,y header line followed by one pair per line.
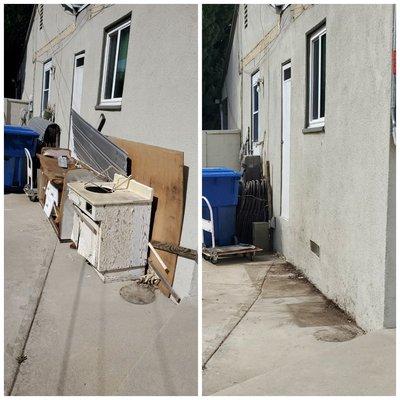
x,y
316,77
254,105
46,85
115,56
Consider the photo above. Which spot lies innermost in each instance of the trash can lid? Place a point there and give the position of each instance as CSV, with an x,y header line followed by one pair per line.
x,y
220,172
19,130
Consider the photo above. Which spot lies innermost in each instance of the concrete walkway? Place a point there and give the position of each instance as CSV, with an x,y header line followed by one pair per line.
x,y
29,244
268,331
86,340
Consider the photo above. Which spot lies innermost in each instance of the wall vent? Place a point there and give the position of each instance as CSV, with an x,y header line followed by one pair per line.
x,y
314,248
245,16
40,16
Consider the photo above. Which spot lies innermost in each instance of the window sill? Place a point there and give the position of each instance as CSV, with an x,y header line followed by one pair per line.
x,y
104,107
314,129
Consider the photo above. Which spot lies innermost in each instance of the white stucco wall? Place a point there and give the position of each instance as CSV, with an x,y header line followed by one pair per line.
x,y
159,104
338,179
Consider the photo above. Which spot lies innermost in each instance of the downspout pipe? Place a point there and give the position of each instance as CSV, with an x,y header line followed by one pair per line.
x,y
393,79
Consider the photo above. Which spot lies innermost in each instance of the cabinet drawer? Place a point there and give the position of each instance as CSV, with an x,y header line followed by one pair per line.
x,y
88,246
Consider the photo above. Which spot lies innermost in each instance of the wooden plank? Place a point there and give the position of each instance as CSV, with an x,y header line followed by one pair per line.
x,y
263,43
178,250
164,281
161,169
55,41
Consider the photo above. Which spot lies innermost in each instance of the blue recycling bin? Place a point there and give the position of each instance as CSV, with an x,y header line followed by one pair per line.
x,y
16,138
220,187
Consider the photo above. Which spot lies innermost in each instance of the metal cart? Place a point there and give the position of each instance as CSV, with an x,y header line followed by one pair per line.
x,y
214,253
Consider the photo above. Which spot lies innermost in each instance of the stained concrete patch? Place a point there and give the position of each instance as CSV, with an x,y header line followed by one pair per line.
x,y
285,281
284,328
321,313
137,293
282,286
337,333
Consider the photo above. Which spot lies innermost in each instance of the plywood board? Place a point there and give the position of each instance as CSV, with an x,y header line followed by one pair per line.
x,y
161,169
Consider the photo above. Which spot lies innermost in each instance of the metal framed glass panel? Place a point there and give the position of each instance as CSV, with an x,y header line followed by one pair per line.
x,y
115,58
317,77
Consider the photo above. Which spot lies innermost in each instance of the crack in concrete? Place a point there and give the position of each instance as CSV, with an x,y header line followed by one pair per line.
x,y
239,320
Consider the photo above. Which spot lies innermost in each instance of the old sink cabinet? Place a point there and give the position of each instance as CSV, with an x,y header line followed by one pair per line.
x,y
111,226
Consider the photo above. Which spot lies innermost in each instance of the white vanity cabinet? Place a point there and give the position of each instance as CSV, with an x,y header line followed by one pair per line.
x,y
111,229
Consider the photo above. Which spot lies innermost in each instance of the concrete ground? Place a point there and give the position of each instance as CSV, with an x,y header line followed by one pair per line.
x,y
268,331
84,339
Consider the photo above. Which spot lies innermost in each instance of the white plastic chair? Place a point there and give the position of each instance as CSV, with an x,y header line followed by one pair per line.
x,y
29,169
208,225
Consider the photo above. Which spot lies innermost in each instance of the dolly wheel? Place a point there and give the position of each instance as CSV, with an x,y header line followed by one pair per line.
x,y
214,259
206,257
33,197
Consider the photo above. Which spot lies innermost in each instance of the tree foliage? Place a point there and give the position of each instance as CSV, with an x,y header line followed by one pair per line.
x,y
217,20
16,23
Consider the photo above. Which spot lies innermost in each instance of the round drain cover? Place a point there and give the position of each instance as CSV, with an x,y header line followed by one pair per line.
x,y
137,294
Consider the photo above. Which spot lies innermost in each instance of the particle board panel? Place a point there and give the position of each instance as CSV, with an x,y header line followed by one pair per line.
x,y
163,170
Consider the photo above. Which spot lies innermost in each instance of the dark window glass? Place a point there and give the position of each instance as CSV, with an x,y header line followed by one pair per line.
x,y
110,64
45,99
255,98
121,63
255,127
80,61
46,79
323,62
287,74
315,87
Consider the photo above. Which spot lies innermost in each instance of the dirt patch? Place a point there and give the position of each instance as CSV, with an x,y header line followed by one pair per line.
x,y
319,313
283,286
285,281
138,293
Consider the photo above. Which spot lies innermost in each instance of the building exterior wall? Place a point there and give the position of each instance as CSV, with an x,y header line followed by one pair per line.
x,y
159,104
339,178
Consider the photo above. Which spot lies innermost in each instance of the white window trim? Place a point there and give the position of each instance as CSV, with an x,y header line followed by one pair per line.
x,y
46,67
319,121
255,82
115,100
